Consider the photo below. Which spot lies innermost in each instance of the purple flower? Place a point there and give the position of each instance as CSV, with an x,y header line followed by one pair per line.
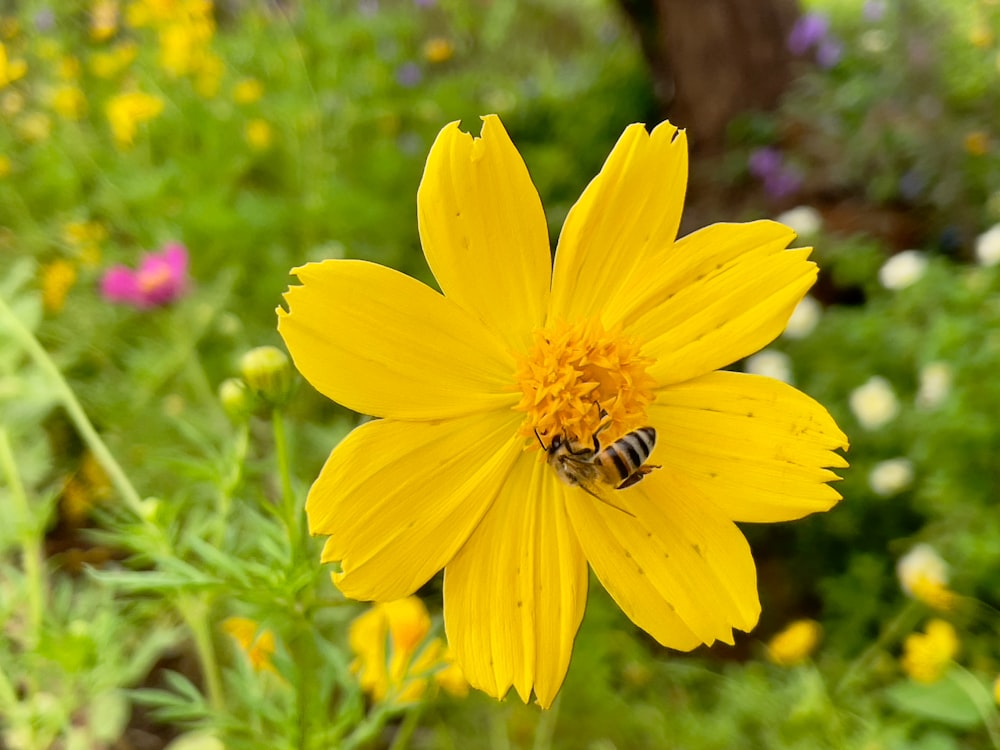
x,y
409,75
782,184
809,31
829,52
768,165
873,10
764,162
160,279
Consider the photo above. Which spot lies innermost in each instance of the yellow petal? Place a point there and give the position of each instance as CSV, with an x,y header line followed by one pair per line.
x,y
679,569
720,294
629,211
756,446
398,499
514,595
382,343
483,230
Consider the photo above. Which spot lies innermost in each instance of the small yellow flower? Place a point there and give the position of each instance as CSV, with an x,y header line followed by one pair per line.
x,y
81,233
248,91
69,68
926,655
996,691
127,111
111,63
438,50
35,127
923,574
103,19
795,643
394,660
256,642
208,75
258,134
10,69
976,143
85,489
58,277
69,102
981,36
5,165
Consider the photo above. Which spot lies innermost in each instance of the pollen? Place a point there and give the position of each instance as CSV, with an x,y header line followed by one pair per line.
x,y
579,379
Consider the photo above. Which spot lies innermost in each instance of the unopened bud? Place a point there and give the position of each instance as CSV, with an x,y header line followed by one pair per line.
x,y
237,399
268,372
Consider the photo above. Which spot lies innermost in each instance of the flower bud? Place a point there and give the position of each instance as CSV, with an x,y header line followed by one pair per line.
x,y
237,399
268,372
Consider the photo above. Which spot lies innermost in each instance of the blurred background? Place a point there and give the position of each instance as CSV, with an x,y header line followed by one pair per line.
x,y
164,163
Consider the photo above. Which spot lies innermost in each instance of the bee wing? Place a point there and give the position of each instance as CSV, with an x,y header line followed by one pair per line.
x,y
605,494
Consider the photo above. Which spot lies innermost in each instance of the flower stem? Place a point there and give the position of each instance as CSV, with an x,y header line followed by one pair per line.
x,y
902,621
288,501
981,699
31,544
77,415
193,611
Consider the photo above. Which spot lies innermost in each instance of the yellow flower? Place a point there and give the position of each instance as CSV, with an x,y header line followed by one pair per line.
x,y
103,19
69,102
248,91
795,643
127,111
258,134
256,642
976,143
394,660
85,489
111,63
10,69
58,277
5,165
208,75
981,36
923,574
996,691
34,127
626,331
69,68
926,655
438,50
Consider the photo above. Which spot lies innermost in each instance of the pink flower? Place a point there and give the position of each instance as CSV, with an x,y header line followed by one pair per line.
x,y
160,279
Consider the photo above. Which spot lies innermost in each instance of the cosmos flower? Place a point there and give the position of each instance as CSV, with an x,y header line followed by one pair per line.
x,y
127,111
927,655
477,385
795,643
256,642
160,279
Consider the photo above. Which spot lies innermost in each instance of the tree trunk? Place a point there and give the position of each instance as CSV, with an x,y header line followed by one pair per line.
x,y
714,59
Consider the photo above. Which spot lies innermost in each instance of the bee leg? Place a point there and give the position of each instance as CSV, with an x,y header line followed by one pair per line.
x,y
637,476
606,501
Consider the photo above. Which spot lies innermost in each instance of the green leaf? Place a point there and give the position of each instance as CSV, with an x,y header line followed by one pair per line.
x,y
944,701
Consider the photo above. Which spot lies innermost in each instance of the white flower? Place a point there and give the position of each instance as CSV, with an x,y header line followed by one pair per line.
x,y
805,221
770,364
902,269
804,319
920,566
988,246
874,41
935,384
891,477
874,403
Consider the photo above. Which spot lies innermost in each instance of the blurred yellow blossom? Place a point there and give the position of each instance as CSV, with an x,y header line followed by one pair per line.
x,y
127,111
248,91
981,36
209,75
34,127
795,643
976,142
69,102
11,69
438,50
114,61
996,691
394,660
68,68
85,489
258,134
256,642
11,103
103,19
5,165
923,574
58,277
926,655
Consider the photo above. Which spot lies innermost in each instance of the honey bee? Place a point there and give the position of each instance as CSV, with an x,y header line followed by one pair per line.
x,y
596,470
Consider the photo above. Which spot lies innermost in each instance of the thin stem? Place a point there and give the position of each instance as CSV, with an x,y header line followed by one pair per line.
x,y
980,698
29,532
546,727
73,408
411,720
288,501
193,611
902,621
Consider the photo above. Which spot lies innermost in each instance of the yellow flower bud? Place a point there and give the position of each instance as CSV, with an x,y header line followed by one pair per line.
x,y
237,399
268,372
795,643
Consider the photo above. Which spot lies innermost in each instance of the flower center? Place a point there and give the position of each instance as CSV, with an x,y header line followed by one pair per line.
x,y
154,278
578,378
